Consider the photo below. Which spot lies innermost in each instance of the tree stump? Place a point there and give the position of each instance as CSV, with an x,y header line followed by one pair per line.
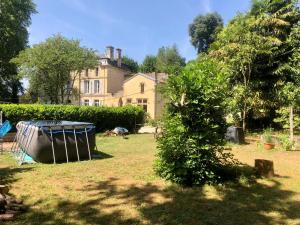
x,y
264,168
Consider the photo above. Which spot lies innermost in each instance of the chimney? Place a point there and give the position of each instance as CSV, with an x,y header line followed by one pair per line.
x,y
119,57
110,52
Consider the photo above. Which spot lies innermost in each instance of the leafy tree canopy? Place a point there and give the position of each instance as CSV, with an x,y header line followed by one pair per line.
x,y
14,19
190,152
168,60
131,64
48,66
255,46
203,30
149,64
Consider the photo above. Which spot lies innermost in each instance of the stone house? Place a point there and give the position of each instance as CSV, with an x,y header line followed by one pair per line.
x,y
111,83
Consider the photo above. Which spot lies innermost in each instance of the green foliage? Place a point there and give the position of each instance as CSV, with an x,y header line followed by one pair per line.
x,y
103,117
149,64
190,151
204,29
268,136
14,19
168,60
286,143
283,118
51,61
131,64
256,48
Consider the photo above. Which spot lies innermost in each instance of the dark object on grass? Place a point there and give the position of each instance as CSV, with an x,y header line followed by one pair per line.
x,y
9,206
235,134
264,168
55,141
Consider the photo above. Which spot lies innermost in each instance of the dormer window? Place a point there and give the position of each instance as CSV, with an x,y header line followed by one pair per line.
x,y
142,86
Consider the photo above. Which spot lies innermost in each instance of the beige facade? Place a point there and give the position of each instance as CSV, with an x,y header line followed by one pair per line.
x,y
142,89
112,84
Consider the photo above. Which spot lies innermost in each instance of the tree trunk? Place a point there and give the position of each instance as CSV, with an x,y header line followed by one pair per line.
x,y
291,123
62,95
244,118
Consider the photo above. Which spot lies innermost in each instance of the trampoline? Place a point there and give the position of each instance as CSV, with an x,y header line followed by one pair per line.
x,y
54,141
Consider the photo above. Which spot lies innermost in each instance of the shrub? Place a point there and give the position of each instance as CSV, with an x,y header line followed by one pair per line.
x,y
103,117
268,136
286,143
190,151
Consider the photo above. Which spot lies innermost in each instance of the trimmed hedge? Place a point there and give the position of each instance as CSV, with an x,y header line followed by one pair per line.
x,y
104,118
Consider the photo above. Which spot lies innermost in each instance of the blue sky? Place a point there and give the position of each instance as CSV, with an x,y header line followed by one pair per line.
x,y
139,27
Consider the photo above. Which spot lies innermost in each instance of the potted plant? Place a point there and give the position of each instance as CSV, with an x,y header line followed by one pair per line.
x,y
268,139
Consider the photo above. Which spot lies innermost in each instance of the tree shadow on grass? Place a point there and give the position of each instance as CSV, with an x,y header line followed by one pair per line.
x,y
8,174
112,202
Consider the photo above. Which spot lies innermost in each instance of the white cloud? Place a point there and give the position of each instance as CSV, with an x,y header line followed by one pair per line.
x,y
206,5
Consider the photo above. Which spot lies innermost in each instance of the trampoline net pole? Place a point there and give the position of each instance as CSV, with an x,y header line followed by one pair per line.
x,y
14,143
52,143
88,144
20,138
67,157
29,136
76,144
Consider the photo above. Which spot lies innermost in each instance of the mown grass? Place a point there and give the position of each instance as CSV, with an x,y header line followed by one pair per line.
x,y
121,188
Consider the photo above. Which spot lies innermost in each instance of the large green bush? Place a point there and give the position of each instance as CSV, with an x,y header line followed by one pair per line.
x,y
103,117
190,150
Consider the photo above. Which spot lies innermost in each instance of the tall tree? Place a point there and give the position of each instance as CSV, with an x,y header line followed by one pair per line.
x,y
168,60
255,46
289,93
149,64
190,151
14,19
204,29
132,65
49,65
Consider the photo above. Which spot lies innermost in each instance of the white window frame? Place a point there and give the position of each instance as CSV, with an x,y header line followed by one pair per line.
x,y
96,86
86,86
96,102
86,102
143,102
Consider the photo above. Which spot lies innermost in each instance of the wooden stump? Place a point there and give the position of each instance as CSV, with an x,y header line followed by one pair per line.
x,y
264,168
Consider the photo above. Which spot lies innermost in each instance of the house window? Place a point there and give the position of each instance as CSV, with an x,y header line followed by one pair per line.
x,y
97,71
86,86
128,101
143,102
86,102
96,86
96,103
86,72
142,86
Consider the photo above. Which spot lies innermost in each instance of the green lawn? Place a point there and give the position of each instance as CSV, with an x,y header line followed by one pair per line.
x,y
121,188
